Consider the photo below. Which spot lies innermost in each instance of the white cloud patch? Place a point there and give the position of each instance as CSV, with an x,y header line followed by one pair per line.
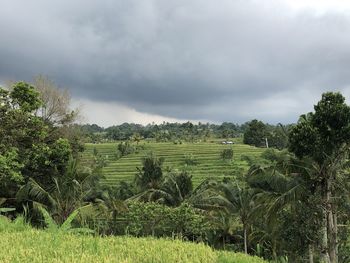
x,y
108,113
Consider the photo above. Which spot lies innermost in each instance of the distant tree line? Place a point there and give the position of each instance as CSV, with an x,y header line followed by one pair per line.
x,y
254,132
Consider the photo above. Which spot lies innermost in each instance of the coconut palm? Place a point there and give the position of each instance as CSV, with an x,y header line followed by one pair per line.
x,y
228,199
150,175
174,189
283,184
240,202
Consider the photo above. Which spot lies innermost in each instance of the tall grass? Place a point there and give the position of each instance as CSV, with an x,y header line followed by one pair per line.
x,y
21,243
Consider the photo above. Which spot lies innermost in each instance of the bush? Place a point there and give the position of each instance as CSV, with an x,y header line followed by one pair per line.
x,y
227,154
125,148
152,219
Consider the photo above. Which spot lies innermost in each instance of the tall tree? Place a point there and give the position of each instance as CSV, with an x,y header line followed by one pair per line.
x,y
26,141
255,133
324,137
240,200
285,200
56,103
57,112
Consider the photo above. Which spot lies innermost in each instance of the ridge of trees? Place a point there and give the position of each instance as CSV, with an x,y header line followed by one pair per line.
x,y
253,132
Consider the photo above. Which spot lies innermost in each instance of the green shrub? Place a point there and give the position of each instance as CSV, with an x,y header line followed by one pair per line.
x,y
152,219
227,154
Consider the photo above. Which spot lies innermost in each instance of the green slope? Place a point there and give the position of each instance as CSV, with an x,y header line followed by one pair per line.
x,y
209,165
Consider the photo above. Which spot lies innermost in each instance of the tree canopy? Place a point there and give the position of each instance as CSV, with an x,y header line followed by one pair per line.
x,y
323,137
28,147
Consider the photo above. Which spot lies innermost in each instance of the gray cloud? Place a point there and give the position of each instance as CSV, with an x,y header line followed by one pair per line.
x,y
233,60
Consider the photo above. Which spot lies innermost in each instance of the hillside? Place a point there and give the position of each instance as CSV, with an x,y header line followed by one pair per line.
x,y
207,154
21,243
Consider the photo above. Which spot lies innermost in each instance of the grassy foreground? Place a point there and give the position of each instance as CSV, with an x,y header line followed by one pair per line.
x,y
21,243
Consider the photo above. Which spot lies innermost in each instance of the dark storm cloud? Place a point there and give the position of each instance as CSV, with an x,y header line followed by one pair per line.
x,y
227,60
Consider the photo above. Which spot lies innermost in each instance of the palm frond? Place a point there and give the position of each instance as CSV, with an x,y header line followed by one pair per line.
x,y
32,191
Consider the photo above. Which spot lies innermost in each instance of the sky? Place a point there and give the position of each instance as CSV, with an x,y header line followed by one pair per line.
x,y
177,60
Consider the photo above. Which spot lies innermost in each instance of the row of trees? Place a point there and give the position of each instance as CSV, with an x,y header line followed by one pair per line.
x,y
254,132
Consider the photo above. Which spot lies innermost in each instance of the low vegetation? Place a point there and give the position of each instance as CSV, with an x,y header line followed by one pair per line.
x,y
21,243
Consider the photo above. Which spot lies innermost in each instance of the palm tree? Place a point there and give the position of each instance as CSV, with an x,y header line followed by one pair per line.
x,y
239,201
73,189
203,196
283,184
227,197
225,228
174,189
150,175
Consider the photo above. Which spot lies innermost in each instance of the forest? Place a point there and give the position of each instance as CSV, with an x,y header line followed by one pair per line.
x,y
290,202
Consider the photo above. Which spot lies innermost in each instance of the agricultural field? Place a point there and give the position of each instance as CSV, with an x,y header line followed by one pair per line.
x,y
206,154
21,243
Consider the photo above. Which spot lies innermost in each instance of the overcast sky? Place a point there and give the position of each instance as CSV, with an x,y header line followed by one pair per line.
x,y
175,60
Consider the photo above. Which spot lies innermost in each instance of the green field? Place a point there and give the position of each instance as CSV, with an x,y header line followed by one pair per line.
x,y
210,165
21,243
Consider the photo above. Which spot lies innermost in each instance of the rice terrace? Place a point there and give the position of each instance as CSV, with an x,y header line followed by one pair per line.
x,y
209,163
39,246
186,131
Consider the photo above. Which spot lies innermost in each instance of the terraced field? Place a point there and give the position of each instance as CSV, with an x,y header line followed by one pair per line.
x,y
210,165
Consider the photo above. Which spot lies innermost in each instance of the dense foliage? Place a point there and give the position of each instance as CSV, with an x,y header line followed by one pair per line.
x,y
260,134
29,146
254,132
323,137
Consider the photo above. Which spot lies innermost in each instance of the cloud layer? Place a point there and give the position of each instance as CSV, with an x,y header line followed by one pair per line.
x,y
197,59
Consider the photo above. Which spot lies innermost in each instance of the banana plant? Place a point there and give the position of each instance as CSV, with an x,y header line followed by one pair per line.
x,y
66,226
